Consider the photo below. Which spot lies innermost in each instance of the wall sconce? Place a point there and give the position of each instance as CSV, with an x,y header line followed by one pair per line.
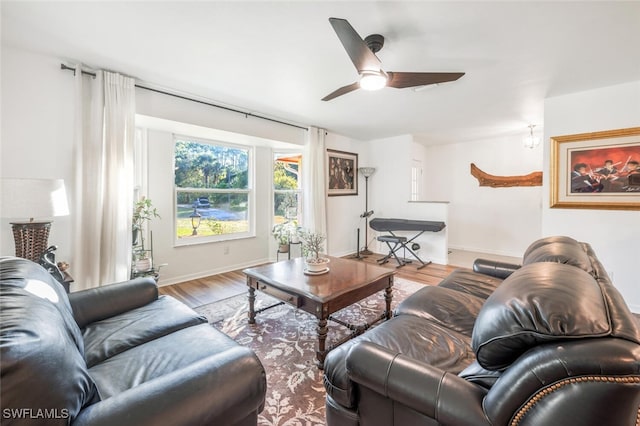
x,y
32,198
195,221
531,141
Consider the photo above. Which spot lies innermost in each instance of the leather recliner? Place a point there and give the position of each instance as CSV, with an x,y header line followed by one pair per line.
x,y
550,342
116,355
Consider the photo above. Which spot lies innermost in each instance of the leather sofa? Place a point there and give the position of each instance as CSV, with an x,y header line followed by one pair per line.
x,y
548,342
116,355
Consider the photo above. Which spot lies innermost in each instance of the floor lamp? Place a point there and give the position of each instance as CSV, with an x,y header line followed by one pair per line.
x,y
30,198
366,172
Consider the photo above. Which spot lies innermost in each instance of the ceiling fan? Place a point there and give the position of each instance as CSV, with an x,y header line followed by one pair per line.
x,y
372,76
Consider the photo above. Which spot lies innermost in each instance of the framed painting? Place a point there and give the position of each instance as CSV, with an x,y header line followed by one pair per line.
x,y
599,170
342,173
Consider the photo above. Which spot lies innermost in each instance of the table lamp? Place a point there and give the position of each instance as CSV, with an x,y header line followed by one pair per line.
x,y
32,198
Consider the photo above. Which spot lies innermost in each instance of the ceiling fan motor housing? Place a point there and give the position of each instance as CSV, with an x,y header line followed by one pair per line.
x,y
374,42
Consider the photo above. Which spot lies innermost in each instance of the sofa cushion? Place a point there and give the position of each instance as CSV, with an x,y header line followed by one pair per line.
x,y
473,283
109,337
538,303
549,240
412,336
42,368
474,373
23,273
158,358
450,308
570,254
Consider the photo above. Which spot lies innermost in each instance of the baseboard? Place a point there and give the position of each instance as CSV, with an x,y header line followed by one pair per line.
x,y
202,274
485,250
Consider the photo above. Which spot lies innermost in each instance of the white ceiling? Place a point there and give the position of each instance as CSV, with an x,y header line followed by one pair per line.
x,y
279,58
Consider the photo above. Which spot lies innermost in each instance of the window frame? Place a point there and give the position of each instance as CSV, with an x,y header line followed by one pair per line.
x,y
250,191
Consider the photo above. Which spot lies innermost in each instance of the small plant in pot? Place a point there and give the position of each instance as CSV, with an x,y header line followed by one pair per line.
x,y
312,246
281,233
142,260
143,211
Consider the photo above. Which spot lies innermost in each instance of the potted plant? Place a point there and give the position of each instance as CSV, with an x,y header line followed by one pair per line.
x,y
312,246
281,233
142,260
143,211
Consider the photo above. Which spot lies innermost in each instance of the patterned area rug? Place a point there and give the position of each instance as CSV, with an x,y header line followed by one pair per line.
x,y
285,339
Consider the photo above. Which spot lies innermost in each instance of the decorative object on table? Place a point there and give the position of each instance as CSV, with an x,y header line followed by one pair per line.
x,y
48,261
341,173
596,170
39,200
142,257
312,246
485,179
366,172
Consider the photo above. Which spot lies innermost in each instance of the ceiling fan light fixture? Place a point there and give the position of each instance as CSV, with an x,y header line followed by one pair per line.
x,y
372,80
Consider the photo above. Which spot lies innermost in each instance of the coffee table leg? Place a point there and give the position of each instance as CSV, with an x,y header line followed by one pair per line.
x,y
252,301
388,296
322,340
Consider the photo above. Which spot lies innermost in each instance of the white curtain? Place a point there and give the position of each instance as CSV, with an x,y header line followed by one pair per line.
x,y
103,196
313,178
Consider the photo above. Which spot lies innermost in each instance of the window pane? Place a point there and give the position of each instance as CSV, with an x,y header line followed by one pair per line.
x,y
212,190
220,214
287,187
202,165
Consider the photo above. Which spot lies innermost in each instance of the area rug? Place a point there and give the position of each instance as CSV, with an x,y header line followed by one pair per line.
x,y
285,339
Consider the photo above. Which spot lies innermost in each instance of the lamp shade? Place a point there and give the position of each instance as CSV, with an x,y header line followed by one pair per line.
x,y
24,198
366,171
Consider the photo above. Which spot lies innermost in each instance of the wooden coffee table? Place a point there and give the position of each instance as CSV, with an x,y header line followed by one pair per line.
x,y
347,282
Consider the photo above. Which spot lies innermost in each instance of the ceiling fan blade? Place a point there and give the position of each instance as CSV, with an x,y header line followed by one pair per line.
x,y
361,56
401,80
342,91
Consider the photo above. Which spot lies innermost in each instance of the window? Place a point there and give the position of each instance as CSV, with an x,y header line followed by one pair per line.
x,y
212,190
287,188
416,177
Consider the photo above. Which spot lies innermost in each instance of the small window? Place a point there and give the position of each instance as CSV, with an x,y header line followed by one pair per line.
x,y
287,188
212,191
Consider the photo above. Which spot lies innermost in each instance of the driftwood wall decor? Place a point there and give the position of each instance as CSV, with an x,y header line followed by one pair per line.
x,y
485,179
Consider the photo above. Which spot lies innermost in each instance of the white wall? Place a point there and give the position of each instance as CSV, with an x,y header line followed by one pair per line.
x,y
37,132
501,221
614,235
391,192
343,212
200,260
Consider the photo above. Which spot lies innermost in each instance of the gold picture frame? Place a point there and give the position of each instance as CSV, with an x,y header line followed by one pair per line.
x,y
598,170
342,173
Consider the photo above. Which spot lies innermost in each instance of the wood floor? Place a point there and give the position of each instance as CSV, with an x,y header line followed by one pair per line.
x,y
217,287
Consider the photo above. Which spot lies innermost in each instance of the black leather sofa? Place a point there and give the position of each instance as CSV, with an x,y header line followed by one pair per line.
x,y
550,342
116,355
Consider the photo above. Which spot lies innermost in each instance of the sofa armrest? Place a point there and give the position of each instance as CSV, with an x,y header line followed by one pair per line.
x,y
221,389
99,303
494,268
431,391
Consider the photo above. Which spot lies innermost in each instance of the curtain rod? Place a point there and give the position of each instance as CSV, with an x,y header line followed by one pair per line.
x,y
186,98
